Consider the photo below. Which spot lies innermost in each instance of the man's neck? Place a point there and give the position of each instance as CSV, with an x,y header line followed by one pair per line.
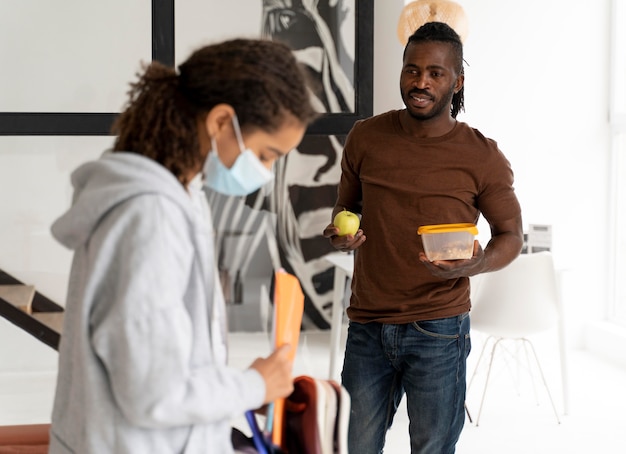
x,y
423,129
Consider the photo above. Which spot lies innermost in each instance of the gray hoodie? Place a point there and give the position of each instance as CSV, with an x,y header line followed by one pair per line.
x,y
137,372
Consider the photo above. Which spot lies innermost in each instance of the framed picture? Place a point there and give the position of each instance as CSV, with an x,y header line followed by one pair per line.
x,y
66,72
333,37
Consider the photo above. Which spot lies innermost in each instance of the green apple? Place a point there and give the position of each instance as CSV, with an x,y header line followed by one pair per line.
x,y
347,222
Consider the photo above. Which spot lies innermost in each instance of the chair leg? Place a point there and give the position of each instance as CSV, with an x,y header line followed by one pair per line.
x,y
478,362
564,367
482,400
525,343
467,412
511,358
545,383
469,385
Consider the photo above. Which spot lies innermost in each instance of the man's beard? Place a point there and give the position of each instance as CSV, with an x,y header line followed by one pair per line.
x,y
438,108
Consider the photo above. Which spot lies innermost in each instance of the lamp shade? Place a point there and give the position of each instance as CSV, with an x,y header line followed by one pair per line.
x,y
419,12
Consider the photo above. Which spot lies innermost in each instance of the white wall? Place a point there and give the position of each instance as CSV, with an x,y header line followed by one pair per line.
x,y
536,82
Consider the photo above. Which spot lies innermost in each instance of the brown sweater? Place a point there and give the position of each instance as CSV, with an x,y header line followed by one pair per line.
x,y
398,183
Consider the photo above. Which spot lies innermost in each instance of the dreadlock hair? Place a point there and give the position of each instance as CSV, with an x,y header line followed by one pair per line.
x,y
439,31
260,79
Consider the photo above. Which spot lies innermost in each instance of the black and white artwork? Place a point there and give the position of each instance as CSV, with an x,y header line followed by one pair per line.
x,y
289,217
331,38
306,181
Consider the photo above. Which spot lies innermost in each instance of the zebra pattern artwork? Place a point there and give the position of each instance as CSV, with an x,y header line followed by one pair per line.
x,y
291,214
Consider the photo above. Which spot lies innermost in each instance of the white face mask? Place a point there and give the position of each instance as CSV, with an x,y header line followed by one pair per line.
x,y
245,176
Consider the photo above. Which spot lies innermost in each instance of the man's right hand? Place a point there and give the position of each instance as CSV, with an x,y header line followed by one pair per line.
x,y
346,242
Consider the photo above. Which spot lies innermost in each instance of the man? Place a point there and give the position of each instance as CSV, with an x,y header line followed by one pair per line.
x,y
409,323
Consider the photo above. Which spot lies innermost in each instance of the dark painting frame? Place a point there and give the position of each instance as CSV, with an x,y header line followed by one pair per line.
x,y
99,124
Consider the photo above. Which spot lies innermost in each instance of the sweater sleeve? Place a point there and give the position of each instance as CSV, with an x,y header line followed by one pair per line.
x,y
144,335
497,200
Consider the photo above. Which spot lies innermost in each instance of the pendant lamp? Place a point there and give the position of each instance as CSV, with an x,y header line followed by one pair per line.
x,y
417,13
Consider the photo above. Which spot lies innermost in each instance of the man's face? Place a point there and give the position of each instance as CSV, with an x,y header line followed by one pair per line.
x,y
429,79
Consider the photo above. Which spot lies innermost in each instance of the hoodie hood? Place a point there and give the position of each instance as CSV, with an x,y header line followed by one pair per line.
x,y
99,186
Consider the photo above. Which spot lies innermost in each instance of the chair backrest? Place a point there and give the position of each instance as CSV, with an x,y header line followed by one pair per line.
x,y
518,300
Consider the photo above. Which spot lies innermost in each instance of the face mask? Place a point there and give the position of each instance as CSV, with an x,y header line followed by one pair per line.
x,y
245,176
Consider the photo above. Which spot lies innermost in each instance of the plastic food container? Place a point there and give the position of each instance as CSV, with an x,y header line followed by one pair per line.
x,y
448,241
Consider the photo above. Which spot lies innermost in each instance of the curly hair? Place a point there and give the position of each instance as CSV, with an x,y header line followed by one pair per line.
x,y
260,79
439,31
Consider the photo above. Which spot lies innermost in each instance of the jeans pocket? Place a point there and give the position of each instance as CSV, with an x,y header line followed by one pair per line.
x,y
445,328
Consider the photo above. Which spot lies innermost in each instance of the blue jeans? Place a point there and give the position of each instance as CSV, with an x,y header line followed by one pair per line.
x,y
424,359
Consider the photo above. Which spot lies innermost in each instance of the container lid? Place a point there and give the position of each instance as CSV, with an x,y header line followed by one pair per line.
x,y
447,228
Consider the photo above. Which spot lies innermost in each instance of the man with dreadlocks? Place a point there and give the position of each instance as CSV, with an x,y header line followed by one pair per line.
x,y
409,324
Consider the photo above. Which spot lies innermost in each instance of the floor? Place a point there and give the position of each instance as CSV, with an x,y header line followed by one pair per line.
x,y
514,419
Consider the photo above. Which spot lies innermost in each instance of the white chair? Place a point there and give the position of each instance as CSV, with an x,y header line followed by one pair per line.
x,y
513,303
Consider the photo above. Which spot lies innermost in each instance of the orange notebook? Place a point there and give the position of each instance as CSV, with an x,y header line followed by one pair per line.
x,y
288,310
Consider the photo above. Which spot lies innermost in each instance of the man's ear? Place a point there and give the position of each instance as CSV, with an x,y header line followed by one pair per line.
x,y
218,118
460,80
